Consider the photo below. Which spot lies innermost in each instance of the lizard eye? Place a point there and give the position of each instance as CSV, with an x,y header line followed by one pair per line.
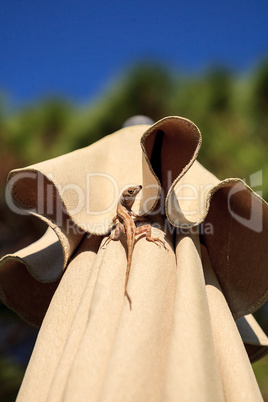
x,y
130,191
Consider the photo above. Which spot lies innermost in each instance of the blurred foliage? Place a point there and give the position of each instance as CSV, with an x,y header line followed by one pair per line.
x,y
260,369
231,111
17,340
10,379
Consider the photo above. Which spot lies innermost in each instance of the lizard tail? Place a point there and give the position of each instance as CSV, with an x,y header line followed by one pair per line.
x,y
129,299
127,276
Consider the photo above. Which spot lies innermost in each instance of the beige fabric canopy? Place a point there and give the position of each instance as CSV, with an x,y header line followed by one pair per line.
x,y
180,341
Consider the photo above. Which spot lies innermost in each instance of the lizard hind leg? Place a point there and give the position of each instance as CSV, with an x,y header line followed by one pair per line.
x,y
115,234
147,229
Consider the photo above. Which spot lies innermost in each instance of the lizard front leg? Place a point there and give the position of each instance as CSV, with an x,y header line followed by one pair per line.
x,y
147,229
137,217
115,219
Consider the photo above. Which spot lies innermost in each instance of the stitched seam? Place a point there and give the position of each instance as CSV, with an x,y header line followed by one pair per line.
x,y
252,307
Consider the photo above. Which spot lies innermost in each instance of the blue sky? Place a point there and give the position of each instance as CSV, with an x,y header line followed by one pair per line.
x,y
76,48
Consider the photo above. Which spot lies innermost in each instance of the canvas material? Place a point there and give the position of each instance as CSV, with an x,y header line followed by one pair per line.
x,y
167,287
173,345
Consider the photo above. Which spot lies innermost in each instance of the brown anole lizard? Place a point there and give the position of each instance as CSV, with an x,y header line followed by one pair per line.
x,y
125,223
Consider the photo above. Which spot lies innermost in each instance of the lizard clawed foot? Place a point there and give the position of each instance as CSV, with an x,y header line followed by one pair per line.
x,y
107,241
157,240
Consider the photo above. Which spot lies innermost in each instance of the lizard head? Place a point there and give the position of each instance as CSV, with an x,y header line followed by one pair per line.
x,y
129,195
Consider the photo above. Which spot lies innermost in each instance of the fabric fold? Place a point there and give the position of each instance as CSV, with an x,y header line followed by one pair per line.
x,y
165,348
237,248
83,186
31,190
29,278
238,382
76,195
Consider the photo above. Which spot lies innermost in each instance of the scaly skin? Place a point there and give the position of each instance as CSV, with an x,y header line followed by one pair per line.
x,y
125,223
